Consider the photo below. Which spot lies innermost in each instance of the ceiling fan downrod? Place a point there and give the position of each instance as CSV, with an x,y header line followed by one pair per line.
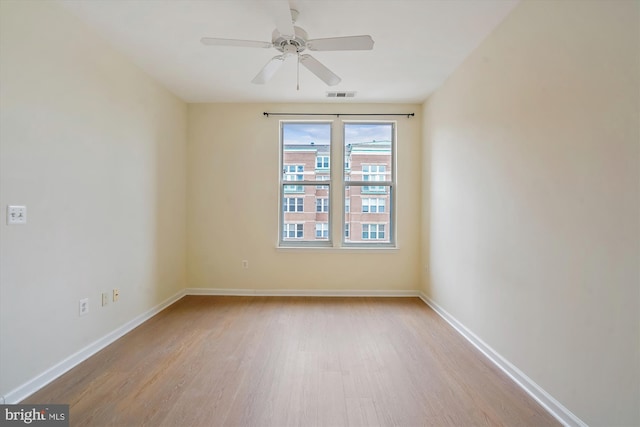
x,y
298,74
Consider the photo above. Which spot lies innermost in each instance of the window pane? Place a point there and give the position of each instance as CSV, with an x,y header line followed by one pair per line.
x,y
306,159
368,151
305,216
306,147
367,218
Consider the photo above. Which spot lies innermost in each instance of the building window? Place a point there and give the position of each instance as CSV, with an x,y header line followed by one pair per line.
x,y
322,178
322,205
293,231
373,232
373,205
305,158
293,173
322,230
322,162
369,183
373,173
293,204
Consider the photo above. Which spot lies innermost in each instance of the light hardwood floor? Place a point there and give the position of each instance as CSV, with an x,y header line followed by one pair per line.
x,y
280,361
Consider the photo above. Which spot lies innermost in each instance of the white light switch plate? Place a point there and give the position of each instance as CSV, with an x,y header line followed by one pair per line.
x,y
16,215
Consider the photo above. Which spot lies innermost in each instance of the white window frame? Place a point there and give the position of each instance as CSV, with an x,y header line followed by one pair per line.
x,y
323,228
373,205
301,186
370,226
323,204
388,180
385,179
286,228
322,160
298,202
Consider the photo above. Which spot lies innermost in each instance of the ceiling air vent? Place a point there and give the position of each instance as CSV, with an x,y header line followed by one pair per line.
x,y
341,94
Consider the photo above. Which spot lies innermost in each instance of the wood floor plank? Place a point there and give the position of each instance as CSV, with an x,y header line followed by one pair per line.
x,y
292,361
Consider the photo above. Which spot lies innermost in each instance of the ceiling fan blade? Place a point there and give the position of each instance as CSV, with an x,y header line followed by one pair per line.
x,y
323,73
213,41
342,43
268,70
284,20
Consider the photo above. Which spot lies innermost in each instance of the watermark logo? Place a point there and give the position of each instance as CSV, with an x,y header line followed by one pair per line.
x,y
34,415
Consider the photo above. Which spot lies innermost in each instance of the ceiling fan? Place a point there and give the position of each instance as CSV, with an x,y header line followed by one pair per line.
x,y
292,41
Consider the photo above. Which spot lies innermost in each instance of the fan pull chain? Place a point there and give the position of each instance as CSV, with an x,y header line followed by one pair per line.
x,y
298,73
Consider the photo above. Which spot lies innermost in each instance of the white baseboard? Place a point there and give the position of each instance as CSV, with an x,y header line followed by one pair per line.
x,y
35,384
301,292
554,407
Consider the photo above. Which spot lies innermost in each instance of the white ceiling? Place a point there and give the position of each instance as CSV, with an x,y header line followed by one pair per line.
x,y
418,44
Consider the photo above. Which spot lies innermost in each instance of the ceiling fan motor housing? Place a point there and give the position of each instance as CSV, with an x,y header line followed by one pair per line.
x,y
288,44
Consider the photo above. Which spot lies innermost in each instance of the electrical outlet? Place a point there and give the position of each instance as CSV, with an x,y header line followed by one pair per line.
x,y
116,294
84,306
16,215
105,298
245,264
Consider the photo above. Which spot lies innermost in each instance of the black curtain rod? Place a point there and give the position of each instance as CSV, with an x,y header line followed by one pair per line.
x,y
339,114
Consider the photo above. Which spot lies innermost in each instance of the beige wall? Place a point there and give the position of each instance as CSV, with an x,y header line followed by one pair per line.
x,y
233,207
529,197
97,153
531,192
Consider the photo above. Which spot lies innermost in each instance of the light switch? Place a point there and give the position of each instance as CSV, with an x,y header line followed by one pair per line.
x,y
16,215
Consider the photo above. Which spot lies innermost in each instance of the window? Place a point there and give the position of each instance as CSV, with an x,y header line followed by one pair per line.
x,y
322,178
293,173
372,231
373,173
373,205
322,230
369,183
293,204
365,180
293,231
305,156
322,162
322,205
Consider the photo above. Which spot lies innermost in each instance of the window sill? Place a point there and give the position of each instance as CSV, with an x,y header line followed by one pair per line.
x,y
343,249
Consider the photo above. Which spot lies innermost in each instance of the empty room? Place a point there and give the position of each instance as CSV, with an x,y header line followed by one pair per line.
x,y
190,234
